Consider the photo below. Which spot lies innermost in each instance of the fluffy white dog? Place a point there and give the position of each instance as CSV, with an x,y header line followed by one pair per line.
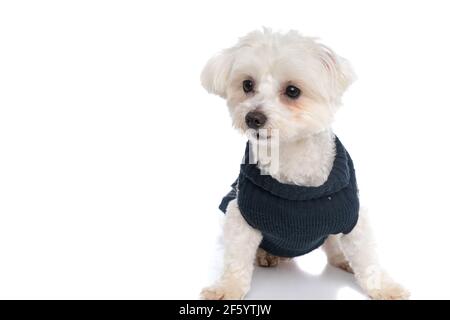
x,y
290,85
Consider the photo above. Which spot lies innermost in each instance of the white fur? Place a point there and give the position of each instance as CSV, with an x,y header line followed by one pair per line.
x,y
306,147
241,242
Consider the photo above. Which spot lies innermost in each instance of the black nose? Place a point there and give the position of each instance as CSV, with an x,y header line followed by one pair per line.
x,y
255,119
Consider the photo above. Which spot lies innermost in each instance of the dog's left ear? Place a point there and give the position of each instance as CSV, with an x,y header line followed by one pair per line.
x,y
340,71
216,73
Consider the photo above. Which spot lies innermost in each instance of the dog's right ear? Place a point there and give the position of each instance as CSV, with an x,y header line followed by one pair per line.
x,y
216,73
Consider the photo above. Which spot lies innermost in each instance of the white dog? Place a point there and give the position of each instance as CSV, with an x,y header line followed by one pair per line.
x,y
292,86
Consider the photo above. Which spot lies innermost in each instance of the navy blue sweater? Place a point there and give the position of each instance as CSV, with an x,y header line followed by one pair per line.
x,y
295,220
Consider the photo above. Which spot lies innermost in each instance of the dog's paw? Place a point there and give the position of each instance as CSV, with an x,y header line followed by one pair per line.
x,y
379,286
389,291
265,259
223,292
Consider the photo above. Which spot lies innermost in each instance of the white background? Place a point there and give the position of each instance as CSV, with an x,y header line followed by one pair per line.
x,y
113,159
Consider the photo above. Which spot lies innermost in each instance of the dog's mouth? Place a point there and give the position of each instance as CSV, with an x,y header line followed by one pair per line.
x,y
259,136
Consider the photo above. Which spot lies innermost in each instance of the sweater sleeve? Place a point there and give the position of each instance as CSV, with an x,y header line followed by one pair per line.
x,y
229,197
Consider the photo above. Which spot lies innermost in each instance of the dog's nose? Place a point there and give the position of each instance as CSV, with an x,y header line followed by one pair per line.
x,y
255,119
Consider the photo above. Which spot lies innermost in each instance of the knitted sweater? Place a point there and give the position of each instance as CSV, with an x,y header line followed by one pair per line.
x,y
295,220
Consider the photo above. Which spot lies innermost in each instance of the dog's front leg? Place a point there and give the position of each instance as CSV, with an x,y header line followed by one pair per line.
x,y
241,243
359,248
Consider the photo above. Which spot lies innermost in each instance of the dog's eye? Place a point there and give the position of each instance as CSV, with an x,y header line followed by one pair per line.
x,y
293,92
247,86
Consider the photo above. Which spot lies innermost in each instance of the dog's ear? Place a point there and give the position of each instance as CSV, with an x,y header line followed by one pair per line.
x,y
216,73
339,69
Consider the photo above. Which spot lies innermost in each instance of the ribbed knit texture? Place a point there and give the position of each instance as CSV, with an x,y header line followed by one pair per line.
x,y
295,220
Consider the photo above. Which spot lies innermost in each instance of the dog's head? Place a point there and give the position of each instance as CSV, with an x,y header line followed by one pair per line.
x,y
279,81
